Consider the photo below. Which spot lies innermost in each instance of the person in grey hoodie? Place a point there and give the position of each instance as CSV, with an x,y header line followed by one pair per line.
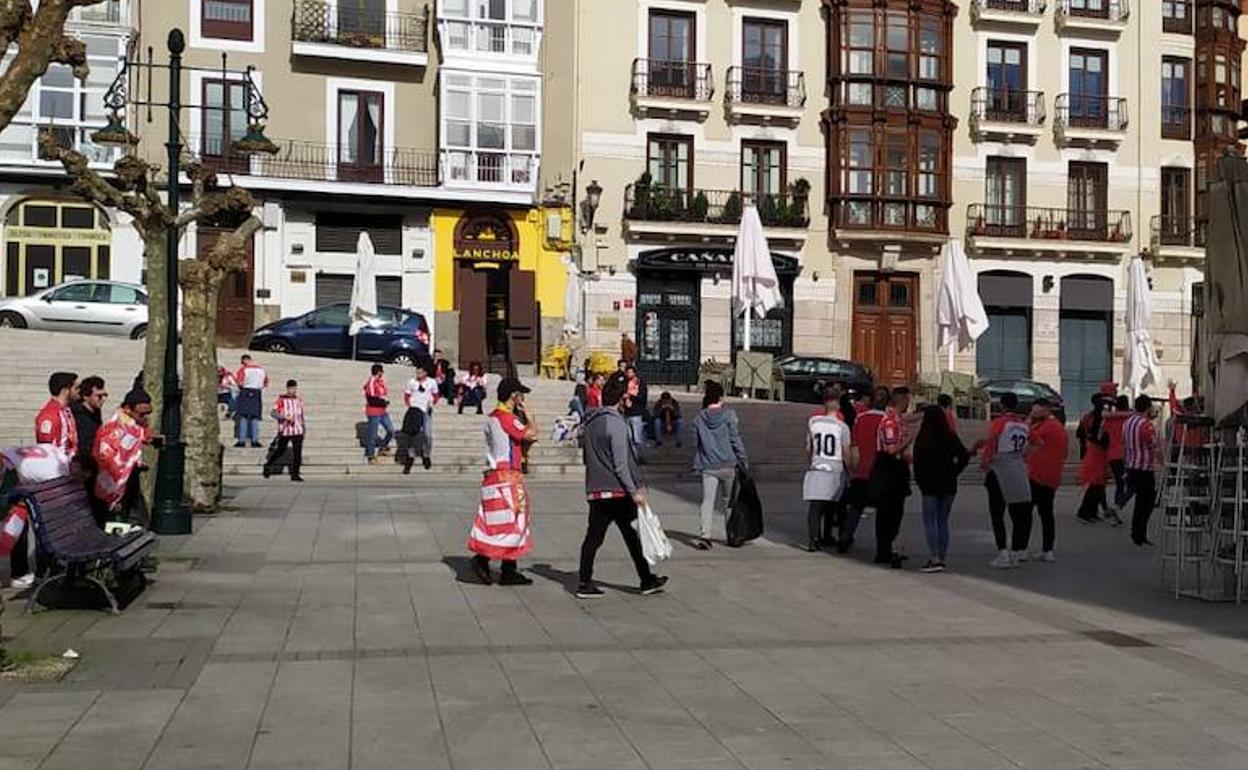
x,y
613,487
720,451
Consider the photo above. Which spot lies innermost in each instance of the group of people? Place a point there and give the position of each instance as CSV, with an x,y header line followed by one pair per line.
x,y
72,438
241,392
662,419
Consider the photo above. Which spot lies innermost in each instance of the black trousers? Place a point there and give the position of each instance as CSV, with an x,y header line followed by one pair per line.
x,y
1020,517
1144,483
888,515
602,513
1093,502
1042,498
296,453
822,519
1122,483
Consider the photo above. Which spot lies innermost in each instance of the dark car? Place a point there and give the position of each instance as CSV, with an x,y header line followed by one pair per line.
x,y
397,337
1027,391
806,376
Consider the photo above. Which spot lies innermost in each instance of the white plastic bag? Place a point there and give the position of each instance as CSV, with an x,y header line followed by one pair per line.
x,y
654,543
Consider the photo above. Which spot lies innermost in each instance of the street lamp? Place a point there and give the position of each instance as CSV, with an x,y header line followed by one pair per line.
x,y
170,514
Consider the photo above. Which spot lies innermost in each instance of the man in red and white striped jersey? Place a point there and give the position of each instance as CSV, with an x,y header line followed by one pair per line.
x,y
55,422
288,411
1139,439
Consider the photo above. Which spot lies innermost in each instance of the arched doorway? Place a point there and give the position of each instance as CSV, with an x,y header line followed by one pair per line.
x,y
1004,351
47,242
1085,337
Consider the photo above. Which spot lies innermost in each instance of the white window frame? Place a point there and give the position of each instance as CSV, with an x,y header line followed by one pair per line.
x,y
463,160
390,117
255,45
197,79
476,26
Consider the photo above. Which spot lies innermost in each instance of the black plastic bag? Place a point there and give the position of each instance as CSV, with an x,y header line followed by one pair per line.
x,y
745,517
278,464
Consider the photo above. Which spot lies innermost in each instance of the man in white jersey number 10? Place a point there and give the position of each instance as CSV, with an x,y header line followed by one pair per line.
x,y
831,456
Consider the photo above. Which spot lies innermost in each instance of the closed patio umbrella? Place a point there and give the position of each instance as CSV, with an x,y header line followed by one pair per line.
x,y
960,316
755,287
1140,367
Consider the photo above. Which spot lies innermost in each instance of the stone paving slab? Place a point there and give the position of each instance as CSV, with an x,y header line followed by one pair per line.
x,y
329,627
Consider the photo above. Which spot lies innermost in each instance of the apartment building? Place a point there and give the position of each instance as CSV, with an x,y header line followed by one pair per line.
x,y
1091,128
49,237
680,113
425,135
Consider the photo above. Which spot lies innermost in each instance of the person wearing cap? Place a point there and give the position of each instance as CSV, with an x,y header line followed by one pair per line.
x,y
118,453
1045,463
501,527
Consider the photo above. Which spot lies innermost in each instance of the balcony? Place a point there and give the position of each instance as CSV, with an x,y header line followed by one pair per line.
x,y
485,170
1008,230
1180,239
312,162
1176,122
910,225
1009,116
763,95
327,31
1025,12
656,212
19,147
668,88
1089,120
1097,16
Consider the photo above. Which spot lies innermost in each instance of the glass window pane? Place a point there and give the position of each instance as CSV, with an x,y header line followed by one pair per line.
x,y
56,104
457,8
58,75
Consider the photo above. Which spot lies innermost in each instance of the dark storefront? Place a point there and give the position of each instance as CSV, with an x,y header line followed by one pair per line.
x,y
670,319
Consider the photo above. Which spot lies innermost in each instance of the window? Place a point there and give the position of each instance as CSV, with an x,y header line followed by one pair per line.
x,y
1088,83
225,122
1176,16
1094,8
896,177
75,292
669,160
671,69
1007,81
1175,99
363,22
490,128
340,232
763,171
1005,196
1176,195
505,27
764,61
69,108
116,294
1086,197
361,117
227,19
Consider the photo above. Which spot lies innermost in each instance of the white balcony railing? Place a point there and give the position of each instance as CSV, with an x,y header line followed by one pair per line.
x,y
19,145
486,36
500,170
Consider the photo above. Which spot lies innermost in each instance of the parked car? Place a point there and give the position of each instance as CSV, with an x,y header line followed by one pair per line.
x,y
93,307
398,337
805,377
1027,391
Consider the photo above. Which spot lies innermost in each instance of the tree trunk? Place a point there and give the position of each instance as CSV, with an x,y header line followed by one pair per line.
x,y
154,251
200,423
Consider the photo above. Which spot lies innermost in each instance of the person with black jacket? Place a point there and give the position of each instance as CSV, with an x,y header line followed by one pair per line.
x,y
88,413
636,413
939,458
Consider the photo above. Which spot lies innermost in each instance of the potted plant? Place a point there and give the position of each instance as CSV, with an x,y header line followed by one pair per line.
x,y
732,208
700,207
641,197
769,210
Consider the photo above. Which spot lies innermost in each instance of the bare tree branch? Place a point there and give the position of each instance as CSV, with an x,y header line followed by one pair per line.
x,y
72,52
40,38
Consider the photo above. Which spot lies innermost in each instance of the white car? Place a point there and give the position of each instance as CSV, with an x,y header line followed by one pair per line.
x,y
93,307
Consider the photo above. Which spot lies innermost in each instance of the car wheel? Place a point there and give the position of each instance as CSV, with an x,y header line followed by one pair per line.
x,y
140,332
11,320
278,346
404,358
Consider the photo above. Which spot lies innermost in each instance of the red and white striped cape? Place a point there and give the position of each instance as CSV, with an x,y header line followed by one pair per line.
x,y
501,527
31,464
289,413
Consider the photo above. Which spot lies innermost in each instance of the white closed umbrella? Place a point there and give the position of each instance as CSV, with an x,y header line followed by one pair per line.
x,y
960,315
572,297
364,288
755,287
1140,366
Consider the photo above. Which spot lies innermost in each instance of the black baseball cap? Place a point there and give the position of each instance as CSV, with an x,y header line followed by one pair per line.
x,y
508,387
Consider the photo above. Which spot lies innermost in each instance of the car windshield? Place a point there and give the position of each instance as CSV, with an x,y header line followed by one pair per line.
x,y
798,366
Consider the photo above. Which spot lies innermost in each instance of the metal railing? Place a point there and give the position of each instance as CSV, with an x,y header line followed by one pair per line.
x,y
488,36
1029,7
1092,111
1010,221
314,162
656,203
664,78
766,86
885,213
1109,10
1007,106
319,22
1176,121
1178,231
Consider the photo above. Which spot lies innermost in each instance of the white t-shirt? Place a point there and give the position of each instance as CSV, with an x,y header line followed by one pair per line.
x,y
35,464
827,438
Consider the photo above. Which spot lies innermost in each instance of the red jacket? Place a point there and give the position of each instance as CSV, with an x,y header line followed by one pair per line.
x,y
864,436
55,425
1048,458
374,388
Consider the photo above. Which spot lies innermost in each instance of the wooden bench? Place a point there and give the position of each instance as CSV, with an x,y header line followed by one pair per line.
x,y
76,547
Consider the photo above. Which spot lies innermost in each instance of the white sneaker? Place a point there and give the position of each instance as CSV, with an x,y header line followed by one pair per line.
x,y
23,582
1019,556
1048,557
1003,561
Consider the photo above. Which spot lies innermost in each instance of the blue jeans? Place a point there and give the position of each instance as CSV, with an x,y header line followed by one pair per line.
x,y
247,429
370,438
637,427
678,430
936,510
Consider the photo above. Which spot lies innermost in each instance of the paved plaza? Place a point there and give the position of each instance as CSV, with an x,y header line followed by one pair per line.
x,y
329,626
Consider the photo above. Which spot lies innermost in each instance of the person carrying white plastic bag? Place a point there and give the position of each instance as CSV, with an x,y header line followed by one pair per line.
x,y
654,543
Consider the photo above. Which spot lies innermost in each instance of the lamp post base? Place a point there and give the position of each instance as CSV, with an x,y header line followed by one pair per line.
x,y
170,513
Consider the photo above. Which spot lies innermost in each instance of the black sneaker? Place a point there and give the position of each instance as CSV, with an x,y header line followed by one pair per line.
x,y
296,477
653,585
811,548
481,566
589,591
267,472
514,579
428,463
256,445
239,445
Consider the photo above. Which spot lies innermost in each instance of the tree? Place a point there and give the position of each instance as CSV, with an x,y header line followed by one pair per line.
x,y
41,40
134,188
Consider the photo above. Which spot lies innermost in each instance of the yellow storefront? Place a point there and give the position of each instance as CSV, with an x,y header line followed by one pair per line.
x,y
47,242
501,271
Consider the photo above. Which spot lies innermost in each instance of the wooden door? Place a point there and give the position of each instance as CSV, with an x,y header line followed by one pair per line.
x,y
522,316
236,308
885,326
470,301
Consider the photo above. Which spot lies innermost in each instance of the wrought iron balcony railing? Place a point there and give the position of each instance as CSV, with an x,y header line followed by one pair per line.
x,y
1178,231
1009,221
1092,111
1109,10
1008,106
313,162
766,86
670,79
1029,7
319,22
655,203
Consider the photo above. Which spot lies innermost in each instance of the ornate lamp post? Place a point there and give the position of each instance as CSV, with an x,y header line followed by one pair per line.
x,y
170,513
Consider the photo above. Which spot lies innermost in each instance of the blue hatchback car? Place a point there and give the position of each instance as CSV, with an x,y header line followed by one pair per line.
x,y
399,337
